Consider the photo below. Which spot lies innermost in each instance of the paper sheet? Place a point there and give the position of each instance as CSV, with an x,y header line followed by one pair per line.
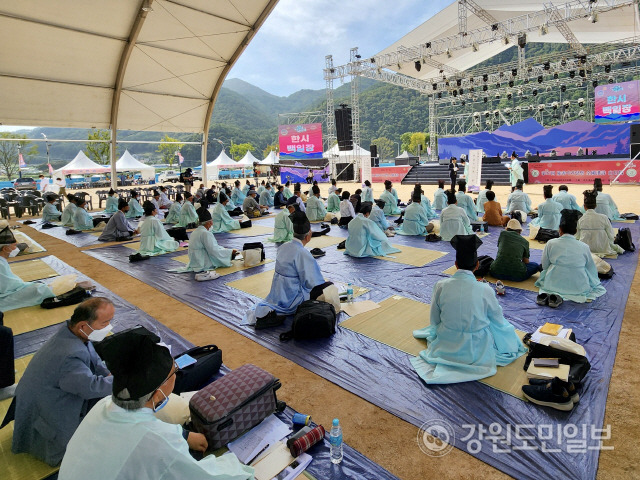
x,y
271,465
354,308
262,436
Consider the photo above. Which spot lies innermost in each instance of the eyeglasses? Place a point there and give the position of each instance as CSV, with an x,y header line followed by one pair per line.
x,y
175,370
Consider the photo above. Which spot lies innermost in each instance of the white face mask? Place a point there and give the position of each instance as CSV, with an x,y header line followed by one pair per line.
x,y
99,335
14,252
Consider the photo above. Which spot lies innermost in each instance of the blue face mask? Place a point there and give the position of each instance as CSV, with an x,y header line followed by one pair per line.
x,y
161,405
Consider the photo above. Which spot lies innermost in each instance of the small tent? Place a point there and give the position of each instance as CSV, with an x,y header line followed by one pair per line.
x,y
358,152
271,159
127,163
405,156
81,164
248,160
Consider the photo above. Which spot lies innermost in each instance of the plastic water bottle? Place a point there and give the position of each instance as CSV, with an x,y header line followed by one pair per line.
x,y
349,292
335,438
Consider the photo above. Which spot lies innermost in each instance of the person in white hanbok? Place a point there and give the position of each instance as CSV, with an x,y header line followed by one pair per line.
x,y
453,219
595,229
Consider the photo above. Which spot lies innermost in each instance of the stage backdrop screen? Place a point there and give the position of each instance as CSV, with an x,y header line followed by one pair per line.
x,y
617,102
300,142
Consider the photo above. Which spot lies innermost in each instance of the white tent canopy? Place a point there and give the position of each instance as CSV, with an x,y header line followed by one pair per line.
x,y
81,164
335,152
127,163
248,160
406,154
223,161
271,159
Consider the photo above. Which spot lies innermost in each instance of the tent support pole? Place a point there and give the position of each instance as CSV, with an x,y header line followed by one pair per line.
x,y
112,154
203,159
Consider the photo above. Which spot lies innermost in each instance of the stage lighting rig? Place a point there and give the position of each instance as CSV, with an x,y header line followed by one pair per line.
x,y
418,65
563,88
581,102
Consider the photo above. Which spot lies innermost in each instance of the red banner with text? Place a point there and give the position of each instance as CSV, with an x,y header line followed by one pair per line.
x,y
393,174
583,172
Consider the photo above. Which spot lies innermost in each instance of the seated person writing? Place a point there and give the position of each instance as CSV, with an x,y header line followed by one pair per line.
x,y
302,197
482,197
118,227
347,212
416,221
282,227
493,211
154,239
512,260
568,201
595,230
222,221
390,200
453,219
548,211
122,438
62,382
266,197
111,206
426,204
365,237
14,292
251,208
188,216
173,216
135,209
316,210
237,195
467,340
333,202
279,199
465,202
378,217
82,221
518,200
69,211
568,267
440,197
605,203
50,212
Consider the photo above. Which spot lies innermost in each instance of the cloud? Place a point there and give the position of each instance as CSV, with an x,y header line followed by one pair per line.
x,y
288,52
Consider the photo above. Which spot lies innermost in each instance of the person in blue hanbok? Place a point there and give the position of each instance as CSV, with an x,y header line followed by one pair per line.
x,y
333,202
261,188
465,169
568,201
204,251
365,237
188,215
595,229
333,187
287,191
440,197
222,221
416,221
516,172
453,219
135,209
390,200
548,211
50,212
164,202
425,202
173,216
246,188
282,226
266,196
378,217
465,202
367,192
237,195
14,292
69,211
296,272
518,200
154,239
568,269
316,210
81,219
605,203
482,197
111,206
466,340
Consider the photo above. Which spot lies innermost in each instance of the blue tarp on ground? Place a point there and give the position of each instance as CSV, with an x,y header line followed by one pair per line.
x,y
385,377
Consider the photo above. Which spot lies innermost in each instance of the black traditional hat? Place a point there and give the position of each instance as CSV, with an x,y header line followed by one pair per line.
x,y
301,224
6,236
590,198
466,250
203,214
223,197
122,203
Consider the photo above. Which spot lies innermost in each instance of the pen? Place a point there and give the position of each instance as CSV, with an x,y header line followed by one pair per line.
x,y
258,454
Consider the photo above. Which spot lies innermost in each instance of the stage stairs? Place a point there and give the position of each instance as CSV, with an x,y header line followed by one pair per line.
x,y
430,174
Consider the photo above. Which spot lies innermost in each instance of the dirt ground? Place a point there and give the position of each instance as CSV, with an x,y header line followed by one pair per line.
x,y
385,439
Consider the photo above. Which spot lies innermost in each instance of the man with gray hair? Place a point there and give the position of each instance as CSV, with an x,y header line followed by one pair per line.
x,y
251,208
62,382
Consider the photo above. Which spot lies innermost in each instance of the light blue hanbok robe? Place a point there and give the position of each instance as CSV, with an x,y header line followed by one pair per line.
x,y
266,198
569,270
261,189
366,239
139,446
187,214
16,293
390,203
135,210
315,209
426,204
515,172
366,195
222,221
230,204
245,189
439,199
606,206
454,221
287,193
466,171
112,205
237,196
205,253
333,203
595,230
50,213
482,199
518,200
467,340
377,216
465,202
548,215
567,201
68,214
174,213
415,221
394,192
154,239
282,228
82,220
296,273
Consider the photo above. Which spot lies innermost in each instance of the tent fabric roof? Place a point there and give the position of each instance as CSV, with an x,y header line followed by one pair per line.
x,y
614,25
81,164
406,154
248,160
153,65
127,163
271,159
334,151
223,161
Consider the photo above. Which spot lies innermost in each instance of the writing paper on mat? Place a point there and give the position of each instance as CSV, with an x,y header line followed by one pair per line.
x,y
266,433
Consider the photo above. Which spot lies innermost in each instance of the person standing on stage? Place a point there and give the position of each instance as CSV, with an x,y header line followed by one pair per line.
x,y
453,172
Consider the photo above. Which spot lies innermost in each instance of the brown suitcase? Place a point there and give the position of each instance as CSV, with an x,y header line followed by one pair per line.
x,y
233,404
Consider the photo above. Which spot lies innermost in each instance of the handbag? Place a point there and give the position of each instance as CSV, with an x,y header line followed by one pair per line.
x,y
579,365
194,377
253,253
313,319
72,297
432,237
179,234
624,240
545,234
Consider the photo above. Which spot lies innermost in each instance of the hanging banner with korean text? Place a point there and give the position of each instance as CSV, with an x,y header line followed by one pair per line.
x,y
475,170
617,102
300,142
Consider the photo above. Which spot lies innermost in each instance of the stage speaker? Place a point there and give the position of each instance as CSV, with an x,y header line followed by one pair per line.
x,y
634,133
343,128
635,149
374,151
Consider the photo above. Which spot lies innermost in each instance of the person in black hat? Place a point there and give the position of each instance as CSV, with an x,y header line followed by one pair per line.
x,y
50,213
118,227
122,438
279,200
568,268
187,180
111,206
282,227
297,192
595,229
468,337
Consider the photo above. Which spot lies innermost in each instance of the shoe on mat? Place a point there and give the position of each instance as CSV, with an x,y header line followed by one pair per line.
x,y
500,288
542,299
138,257
206,276
325,225
570,386
555,300
552,394
316,252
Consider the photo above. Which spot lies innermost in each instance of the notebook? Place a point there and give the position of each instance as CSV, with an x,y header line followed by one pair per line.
x,y
562,372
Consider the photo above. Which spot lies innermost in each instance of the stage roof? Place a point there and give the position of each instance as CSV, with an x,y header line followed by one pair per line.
x,y
612,26
153,65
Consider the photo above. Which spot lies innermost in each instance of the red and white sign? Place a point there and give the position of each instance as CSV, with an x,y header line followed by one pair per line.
x,y
393,174
584,172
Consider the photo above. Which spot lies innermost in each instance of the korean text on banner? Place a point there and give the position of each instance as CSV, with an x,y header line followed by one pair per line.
x,y
302,141
475,170
584,172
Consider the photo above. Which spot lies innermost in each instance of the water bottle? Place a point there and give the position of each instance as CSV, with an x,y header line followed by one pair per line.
x,y
349,292
335,438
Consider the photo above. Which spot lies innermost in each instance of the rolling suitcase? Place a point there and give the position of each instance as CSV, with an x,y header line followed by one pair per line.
x,y
233,404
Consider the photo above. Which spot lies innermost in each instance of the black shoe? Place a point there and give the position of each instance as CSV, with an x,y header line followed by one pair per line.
x,y
570,386
138,257
552,394
271,319
542,299
71,231
325,225
316,252
334,221
28,222
555,300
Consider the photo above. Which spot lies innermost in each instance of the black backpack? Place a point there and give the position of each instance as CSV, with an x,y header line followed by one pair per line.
x,y
194,377
313,319
485,262
181,179
72,297
624,240
252,245
626,216
545,234
179,234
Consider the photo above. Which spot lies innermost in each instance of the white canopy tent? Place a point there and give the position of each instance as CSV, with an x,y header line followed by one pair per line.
x,y
81,164
357,152
248,160
127,163
223,161
271,159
